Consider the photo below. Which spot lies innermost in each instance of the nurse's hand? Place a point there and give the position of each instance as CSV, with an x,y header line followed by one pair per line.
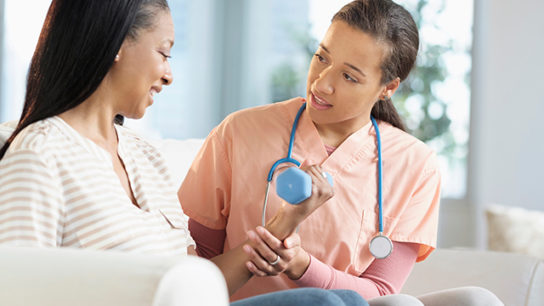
x,y
289,216
321,192
268,255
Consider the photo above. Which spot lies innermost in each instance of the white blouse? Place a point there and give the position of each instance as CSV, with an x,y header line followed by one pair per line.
x,y
59,189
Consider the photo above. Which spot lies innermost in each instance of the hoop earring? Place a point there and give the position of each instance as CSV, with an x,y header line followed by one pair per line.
x,y
386,99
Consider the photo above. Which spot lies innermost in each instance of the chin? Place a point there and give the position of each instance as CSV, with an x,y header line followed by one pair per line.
x,y
139,115
135,115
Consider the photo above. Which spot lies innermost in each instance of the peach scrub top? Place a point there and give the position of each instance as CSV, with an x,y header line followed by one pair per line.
x,y
225,188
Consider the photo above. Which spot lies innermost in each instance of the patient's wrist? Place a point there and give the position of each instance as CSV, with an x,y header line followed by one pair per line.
x,y
283,223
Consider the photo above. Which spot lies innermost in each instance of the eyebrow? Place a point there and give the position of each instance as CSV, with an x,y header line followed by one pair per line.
x,y
347,64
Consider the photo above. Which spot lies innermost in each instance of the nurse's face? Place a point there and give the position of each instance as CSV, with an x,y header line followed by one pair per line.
x,y
344,80
142,68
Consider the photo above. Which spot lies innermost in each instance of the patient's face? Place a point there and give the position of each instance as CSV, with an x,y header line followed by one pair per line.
x,y
344,80
142,68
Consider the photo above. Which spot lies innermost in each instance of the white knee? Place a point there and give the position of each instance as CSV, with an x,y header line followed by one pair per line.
x,y
394,300
462,296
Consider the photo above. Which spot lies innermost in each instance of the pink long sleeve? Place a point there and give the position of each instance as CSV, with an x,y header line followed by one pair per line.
x,y
383,276
209,242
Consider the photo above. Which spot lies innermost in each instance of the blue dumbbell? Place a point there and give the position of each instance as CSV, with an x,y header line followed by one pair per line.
x,y
294,185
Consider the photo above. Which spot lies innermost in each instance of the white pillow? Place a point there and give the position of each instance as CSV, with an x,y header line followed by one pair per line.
x,y
515,229
6,129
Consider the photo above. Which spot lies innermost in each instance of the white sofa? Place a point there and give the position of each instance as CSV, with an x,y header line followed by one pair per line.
x,y
63,277
81,277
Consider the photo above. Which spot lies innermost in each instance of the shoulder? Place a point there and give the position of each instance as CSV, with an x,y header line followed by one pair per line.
x,y
260,118
35,149
256,121
402,146
41,137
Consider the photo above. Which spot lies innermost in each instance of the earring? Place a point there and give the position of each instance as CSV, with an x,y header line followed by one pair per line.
x,y
117,58
386,98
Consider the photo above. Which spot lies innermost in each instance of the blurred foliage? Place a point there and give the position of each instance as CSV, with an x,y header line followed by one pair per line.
x,y
430,70
425,115
285,81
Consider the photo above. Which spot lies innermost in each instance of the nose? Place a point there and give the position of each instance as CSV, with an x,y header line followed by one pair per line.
x,y
167,78
323,82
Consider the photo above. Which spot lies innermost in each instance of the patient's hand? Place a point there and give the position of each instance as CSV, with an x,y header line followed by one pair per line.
x,y
267,254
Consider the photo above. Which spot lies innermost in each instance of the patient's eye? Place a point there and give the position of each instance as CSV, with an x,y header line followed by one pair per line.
x,y
165,55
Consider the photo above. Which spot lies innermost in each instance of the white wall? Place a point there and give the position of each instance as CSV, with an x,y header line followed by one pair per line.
x,y
507,134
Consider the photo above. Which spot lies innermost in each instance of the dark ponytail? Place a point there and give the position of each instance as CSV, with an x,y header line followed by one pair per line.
x,y
76,48
391,24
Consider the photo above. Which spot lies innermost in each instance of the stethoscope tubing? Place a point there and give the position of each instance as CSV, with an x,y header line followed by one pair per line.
x,y
380,171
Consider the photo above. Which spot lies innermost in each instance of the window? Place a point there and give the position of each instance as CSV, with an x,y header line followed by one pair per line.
x,y
230,55
19,37
434,100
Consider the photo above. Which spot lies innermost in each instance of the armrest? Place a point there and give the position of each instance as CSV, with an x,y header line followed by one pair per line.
x,y
46,276
516,279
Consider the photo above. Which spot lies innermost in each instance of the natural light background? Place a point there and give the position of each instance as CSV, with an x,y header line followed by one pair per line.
x,y
234,54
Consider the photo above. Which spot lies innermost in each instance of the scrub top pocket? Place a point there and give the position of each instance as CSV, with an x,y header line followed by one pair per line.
x,y
368,230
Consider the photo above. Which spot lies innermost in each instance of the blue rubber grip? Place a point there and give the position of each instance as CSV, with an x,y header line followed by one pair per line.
x,y
294,185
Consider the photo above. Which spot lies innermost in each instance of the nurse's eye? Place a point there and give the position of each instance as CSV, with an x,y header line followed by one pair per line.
x,y
320,58
347,77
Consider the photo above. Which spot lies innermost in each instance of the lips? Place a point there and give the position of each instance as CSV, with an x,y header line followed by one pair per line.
x,y
319,103
154,90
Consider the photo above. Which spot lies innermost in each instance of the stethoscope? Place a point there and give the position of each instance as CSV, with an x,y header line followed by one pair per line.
x,y
380,246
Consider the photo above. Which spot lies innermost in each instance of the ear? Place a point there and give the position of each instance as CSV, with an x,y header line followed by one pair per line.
x,y
119,54
391,87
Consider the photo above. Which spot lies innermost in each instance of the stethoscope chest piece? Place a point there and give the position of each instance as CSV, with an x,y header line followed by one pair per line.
x,y
381,246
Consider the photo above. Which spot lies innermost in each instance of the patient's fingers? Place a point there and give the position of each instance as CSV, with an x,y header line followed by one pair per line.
x,y
262,256
257,264
278,246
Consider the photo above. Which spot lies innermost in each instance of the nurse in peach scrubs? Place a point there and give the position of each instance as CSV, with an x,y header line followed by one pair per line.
x,y
368,50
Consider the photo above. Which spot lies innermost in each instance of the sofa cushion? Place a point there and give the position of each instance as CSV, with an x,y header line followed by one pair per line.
x,y
6,129
515,278
179,155
65,276
515,229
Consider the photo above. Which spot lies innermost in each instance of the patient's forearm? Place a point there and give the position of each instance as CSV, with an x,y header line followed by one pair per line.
x,y
285,222
233,266
232,263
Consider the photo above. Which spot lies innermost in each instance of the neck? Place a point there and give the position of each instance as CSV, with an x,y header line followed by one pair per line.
x,y
93,118
335,134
